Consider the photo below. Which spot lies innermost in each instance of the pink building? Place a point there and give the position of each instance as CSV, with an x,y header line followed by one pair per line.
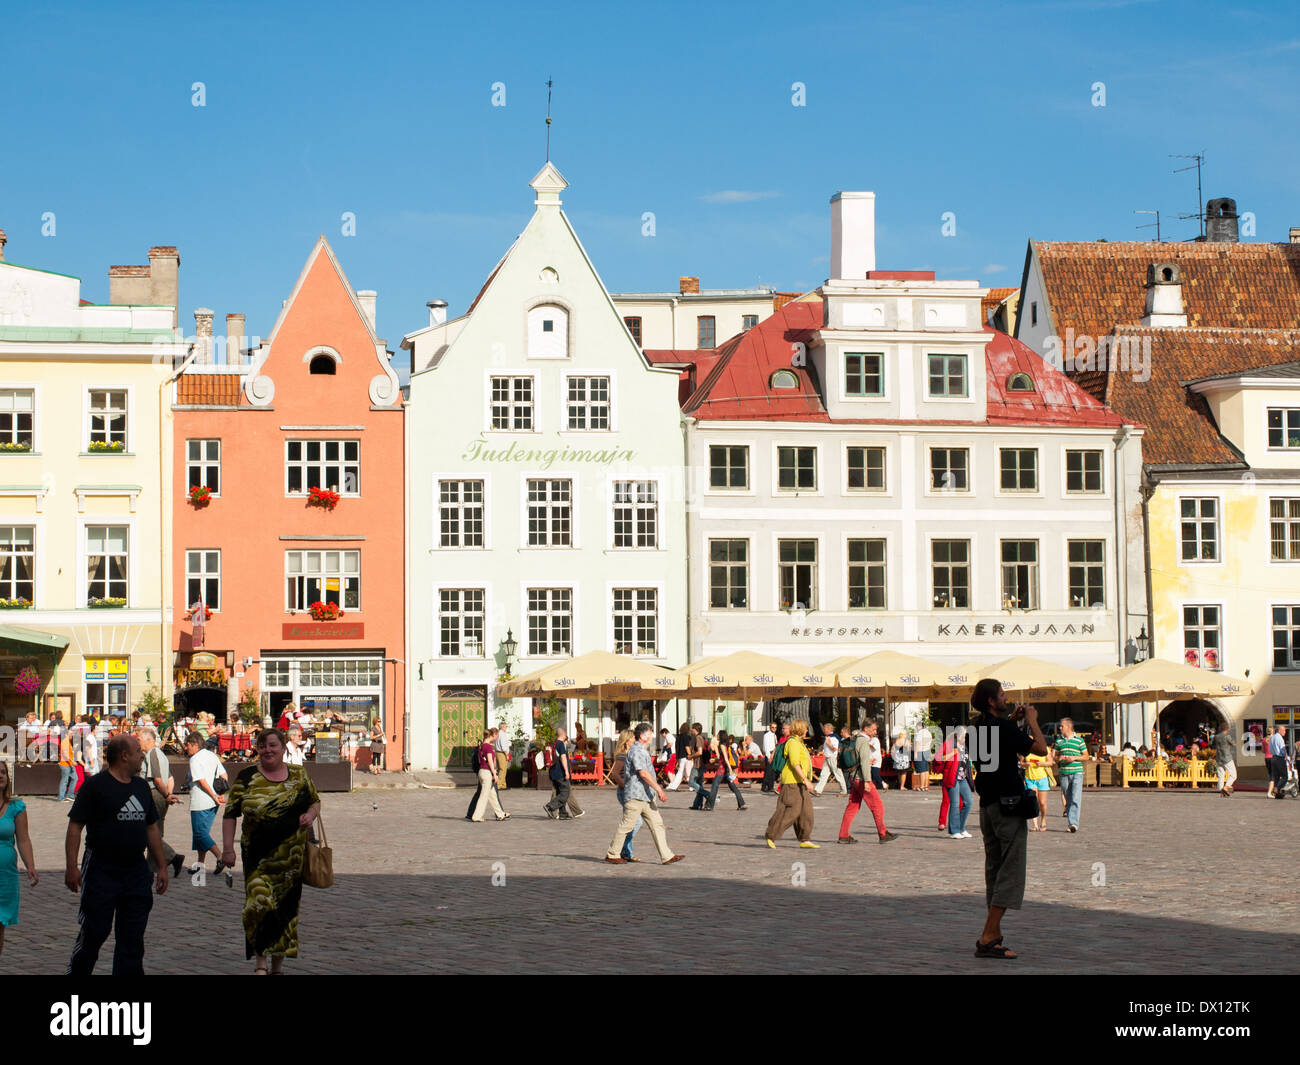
x,y
305,589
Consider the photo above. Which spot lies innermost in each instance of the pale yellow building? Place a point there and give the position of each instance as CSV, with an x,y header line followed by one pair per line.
x,y
85,500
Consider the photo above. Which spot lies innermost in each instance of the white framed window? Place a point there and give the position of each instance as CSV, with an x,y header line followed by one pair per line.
x,y
275,673
636,514
748,321
1087,573
797,574
108,562
950,574
796,469
728,574
636,622
512,404
18,562
460,622
103,698
331,464
1200,528
550,622
548,332
1283,428
323,577
1018,469
108,418
1019,574
706,328
203,465
728,466
1083,472
867,585
587,403
950,469
203,577
864,374
17,419
1284,530
550,513
1286,636
946,376
864,469
1203,634
460,514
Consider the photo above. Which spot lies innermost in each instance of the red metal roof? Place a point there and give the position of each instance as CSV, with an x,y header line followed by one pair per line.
x,y
738,386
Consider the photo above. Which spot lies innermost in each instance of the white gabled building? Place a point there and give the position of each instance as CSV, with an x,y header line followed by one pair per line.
x,y
877,469
545,497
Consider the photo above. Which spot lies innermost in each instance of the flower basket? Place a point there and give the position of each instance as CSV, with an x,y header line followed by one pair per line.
x,y
28,681
107,603
15,604
322,497
9,445
325,611
200,494
190,614
106,445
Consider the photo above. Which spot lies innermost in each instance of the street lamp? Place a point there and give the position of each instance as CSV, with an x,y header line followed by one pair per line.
x,y
1142,641
509,645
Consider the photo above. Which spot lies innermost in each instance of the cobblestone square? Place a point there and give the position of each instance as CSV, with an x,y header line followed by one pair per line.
x,y
1153,883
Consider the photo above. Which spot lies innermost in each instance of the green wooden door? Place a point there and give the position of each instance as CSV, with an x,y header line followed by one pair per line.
x,y
462,717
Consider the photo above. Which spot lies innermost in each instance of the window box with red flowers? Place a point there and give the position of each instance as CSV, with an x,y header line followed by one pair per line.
x,y
190,615
325,611
322,497
200,494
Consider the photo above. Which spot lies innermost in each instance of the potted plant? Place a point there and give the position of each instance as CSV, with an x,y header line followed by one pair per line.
x,y
190,614
28,681
325,611
9,445
546,721
200,495
106,445
15,604
322,497
108,602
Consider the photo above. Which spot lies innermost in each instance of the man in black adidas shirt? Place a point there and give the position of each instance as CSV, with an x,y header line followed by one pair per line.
x,y
118,814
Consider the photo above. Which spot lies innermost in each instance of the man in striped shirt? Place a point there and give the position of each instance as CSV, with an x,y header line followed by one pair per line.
x,y
1070,752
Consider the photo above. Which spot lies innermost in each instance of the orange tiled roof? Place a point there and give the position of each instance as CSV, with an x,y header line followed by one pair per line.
x,y
205,389
990,302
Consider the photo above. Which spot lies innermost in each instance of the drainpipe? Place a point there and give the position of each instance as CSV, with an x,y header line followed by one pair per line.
x,y
408,688
1121,546
164,572
691,501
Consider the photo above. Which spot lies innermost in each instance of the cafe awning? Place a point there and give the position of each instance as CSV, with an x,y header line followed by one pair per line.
x,y
31,641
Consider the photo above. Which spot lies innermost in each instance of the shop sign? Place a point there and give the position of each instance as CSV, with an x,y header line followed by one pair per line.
x,y
110,669
186,678
889,630
327,630
999,630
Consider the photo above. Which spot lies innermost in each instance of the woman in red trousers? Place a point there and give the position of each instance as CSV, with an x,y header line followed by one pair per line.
x,y
946,759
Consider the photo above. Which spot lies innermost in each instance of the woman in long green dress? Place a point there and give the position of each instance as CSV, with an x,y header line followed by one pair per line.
x,y
277,802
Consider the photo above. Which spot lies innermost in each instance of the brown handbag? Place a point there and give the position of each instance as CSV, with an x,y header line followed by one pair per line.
x,y
318,861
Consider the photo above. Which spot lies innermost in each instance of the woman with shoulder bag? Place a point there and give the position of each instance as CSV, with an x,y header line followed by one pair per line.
x,y
956,782
621,745
278,804
726,773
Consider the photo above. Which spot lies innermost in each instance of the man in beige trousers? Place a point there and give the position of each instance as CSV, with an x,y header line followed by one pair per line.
x,y
640,790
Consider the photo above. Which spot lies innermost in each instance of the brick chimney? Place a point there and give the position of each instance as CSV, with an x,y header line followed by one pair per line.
x,y
234,339
203,336
688,286
157,284
1164,302
5,240
1294,236
1221,220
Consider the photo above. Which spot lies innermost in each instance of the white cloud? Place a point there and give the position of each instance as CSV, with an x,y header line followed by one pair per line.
x,y
738,196
994,268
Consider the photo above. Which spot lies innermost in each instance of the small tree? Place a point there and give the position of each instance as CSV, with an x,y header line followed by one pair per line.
x,y
547,722
250,707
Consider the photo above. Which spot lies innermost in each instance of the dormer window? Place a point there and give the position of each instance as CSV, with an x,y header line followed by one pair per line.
x,y
548,332
785,379
1020,382
322,364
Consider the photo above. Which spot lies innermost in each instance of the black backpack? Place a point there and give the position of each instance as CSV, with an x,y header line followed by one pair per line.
x,y
848,755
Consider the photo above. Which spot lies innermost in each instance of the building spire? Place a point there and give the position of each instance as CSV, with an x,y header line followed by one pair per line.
x,y
548,120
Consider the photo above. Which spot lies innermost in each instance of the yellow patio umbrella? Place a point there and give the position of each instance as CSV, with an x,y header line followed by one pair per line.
x,y
1032,678
598,674
891,675
1157,679
748,675
960,683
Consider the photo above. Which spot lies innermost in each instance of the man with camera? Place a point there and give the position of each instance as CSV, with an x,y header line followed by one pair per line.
x,y
1004,808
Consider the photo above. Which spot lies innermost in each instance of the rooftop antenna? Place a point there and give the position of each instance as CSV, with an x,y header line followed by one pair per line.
x,y
1156,223
1200,201
548,120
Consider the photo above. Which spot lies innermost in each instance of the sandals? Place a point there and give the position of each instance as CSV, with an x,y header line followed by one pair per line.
x,y
993,950
260,971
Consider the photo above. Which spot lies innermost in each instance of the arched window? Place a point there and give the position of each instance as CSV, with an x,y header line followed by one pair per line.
x,y
548,332
785,379
322,364
1020,382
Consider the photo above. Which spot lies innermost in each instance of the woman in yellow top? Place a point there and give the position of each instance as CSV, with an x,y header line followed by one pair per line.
x,y
794,803
1038,778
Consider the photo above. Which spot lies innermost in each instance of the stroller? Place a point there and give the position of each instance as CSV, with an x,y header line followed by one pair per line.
x,y
1292,786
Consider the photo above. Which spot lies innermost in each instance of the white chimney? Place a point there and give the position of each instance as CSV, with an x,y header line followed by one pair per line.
x,y
1164,302
203,335
853,235
368,298
1293,233
437,312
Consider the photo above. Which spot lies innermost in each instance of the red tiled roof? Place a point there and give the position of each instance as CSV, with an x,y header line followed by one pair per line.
x,y
780,299
738,386
990,303
206,389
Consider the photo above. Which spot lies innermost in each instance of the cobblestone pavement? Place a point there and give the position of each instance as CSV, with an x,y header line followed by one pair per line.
x,y
1192,884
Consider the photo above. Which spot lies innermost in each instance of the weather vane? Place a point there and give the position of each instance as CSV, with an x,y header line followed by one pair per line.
x,y
548,120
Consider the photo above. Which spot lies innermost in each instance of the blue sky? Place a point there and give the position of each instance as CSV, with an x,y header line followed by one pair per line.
x,y
685,110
